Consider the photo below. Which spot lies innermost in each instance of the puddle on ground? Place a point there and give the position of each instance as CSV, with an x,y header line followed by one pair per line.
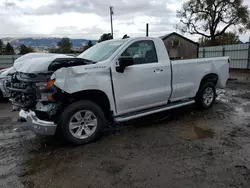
x,y
239,109
242,111
197,132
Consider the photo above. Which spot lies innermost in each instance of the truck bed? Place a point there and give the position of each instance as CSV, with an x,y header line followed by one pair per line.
x,y
187,75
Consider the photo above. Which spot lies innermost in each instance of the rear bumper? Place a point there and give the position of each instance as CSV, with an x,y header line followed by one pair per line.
x,y
38,126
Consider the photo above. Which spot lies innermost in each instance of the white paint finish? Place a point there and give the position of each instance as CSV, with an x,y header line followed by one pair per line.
x,y
7,71
3,76
144,85
36,62
187,75
86,77
139,87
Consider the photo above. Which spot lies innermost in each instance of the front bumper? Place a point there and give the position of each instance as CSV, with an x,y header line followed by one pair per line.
x,y
38,126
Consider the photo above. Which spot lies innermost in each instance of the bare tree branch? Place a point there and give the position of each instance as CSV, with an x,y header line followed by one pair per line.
x,y
197,32
205,17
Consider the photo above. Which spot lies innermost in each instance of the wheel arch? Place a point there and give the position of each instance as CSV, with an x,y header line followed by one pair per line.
x,y
212,77
97,96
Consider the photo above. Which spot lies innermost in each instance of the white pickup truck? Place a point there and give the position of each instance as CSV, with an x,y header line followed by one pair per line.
x,y
116,81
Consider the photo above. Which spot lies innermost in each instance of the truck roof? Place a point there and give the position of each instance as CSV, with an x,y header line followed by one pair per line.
x,y
133,38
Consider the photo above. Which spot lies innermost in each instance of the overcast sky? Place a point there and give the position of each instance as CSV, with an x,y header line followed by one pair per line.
x,y
88,18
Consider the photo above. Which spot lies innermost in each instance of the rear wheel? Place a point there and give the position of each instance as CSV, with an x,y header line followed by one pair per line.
x,y
82,122
206,95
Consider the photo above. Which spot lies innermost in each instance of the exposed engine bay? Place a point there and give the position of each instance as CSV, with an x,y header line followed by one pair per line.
x,y
30,92
36,92
25,89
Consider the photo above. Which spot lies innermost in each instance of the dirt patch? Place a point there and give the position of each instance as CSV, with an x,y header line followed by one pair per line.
x,y
184,147
244,95
197,132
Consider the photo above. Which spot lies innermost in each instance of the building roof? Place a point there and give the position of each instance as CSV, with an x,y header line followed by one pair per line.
x,y
174,33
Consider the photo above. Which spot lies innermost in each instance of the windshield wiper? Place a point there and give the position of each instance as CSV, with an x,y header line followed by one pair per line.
x,y
87,60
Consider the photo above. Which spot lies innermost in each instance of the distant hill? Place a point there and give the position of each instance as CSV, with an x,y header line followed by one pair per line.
x,y
45,43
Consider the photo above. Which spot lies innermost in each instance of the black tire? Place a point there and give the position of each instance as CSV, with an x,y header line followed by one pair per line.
x,y
1,96
200,101
69,112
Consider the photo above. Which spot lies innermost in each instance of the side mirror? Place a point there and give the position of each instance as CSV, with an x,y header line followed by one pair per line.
x,y
123,63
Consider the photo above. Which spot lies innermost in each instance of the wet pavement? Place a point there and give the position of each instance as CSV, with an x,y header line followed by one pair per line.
x,y
185,147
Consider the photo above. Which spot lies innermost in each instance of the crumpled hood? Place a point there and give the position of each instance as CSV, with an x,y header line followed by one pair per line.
x,y
7,71
36,62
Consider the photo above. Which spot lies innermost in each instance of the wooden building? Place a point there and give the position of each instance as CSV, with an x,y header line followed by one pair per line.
x,y
180,47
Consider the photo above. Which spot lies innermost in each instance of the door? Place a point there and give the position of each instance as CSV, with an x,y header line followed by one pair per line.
x,y
145,84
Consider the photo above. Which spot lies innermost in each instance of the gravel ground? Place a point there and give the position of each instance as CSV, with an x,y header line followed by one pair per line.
x,y
182,148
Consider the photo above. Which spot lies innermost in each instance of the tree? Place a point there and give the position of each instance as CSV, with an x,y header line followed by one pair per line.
x,y
105,36
205,17
90,44
224,39
125,36
9,50
1,47
85,48
65,45
54,50
25,49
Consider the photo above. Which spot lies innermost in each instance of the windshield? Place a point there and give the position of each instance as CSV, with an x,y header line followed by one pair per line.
x,y
101,51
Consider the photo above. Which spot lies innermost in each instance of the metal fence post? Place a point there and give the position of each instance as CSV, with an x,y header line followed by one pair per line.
x,y
223,51
248,59
204,52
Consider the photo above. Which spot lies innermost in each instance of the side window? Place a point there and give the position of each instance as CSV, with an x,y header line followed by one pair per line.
x,y
142,52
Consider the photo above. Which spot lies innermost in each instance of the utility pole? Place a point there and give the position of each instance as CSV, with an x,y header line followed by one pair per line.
x,y
248,59
147,30
111,20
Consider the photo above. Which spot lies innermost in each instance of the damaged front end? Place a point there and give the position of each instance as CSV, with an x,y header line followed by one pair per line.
x,y
34,92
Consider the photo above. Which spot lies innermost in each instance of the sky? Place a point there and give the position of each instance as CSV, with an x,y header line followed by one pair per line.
x,y
89,18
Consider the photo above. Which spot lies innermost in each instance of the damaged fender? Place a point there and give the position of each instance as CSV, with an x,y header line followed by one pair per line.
x,y
83,78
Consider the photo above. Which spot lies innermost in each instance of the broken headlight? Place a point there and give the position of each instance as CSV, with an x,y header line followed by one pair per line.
x,y
46,90
45,85
41,85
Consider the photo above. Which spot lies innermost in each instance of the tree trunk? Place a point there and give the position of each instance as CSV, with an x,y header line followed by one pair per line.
x,y
213,41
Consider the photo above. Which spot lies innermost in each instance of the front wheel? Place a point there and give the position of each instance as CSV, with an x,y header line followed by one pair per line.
x,y
1,96
206,95
82,122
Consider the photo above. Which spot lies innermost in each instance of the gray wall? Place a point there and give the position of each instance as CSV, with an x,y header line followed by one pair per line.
x,y
7,60
238,53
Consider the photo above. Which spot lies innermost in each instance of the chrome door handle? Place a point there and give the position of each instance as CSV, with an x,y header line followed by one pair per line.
x,y
158,70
